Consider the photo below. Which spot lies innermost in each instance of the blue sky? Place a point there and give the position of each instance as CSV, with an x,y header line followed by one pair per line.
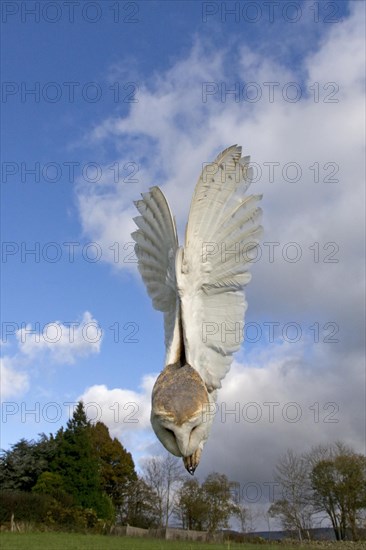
x,y
163,59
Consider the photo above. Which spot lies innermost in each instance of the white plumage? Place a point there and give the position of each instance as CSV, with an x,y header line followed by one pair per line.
x,y
199,288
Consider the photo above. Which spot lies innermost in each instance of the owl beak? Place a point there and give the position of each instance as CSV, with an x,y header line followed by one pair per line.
x,y
191,462
188,464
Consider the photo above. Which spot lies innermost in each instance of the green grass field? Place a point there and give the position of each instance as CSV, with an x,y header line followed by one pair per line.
x,y
71,541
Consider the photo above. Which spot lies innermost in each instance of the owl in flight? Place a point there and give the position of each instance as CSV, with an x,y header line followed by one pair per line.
x,y
199,288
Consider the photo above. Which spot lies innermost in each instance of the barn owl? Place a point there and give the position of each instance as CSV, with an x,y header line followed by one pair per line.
x,y
199,288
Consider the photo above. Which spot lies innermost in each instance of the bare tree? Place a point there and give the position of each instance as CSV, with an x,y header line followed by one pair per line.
x,y
247,516
295,508
163,475
266,515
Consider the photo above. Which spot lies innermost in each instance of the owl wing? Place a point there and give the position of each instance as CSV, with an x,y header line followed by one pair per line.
x,y
212,268
156,247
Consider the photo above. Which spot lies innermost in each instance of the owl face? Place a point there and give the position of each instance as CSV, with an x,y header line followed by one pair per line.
x,y
181,440
179,403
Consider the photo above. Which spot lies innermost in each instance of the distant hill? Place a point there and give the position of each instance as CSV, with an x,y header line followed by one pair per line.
x,y
322,533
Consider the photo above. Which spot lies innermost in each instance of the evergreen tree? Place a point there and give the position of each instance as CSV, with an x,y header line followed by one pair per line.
x,y
77,464
21,466
116,467
81,466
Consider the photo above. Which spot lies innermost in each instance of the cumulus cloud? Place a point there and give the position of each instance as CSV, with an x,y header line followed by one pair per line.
x,y
56,342
62,343
13,383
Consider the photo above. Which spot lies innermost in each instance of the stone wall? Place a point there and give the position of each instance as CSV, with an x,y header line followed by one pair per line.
x,y
168,534
129,531
185,534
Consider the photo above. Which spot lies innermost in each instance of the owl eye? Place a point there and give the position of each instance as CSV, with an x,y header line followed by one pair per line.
x,y
170,431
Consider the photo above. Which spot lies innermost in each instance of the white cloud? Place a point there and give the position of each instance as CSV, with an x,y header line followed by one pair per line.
x,y
13,383
344,43
62,343
55,342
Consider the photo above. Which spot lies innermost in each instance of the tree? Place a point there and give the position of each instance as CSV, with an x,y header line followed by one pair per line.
x,y
329,479
295,507
207,506
191,506
217,494
60,504
141,507
339,484
82,466
116,467
49,483
24,462
163,476
247,517
78,466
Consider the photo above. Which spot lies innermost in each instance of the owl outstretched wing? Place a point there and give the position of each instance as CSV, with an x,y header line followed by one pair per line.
x,y
212,268
156,247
